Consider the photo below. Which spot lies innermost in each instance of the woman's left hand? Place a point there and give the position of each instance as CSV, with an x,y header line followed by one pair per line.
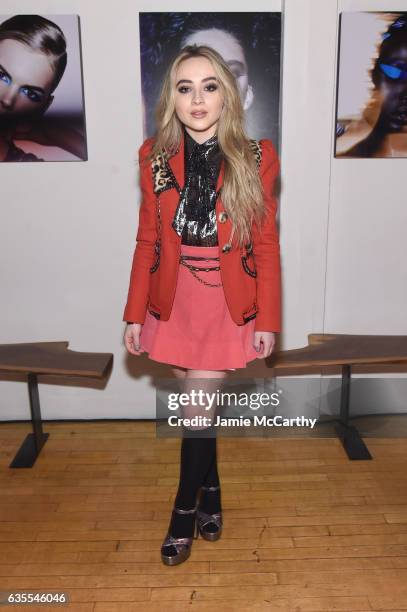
x,y
267,340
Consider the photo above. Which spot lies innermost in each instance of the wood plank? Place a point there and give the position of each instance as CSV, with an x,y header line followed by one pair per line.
x,y
304,528
342,349
277,605
53,358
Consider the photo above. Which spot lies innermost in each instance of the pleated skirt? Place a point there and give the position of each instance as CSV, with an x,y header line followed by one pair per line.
x,y
200,333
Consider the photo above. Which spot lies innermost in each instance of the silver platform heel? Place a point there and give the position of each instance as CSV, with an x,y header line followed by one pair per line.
x,y
203,519
181,545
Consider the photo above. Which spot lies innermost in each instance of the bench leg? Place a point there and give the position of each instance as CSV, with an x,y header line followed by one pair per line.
x,y
350,437
33,443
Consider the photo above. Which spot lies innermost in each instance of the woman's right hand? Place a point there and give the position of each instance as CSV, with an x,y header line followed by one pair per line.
x,y
132,338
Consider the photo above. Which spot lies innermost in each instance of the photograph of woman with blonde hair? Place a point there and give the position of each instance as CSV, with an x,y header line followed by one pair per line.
x,y
204,293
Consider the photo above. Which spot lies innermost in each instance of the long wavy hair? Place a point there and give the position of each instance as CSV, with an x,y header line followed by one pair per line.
x,y
242,190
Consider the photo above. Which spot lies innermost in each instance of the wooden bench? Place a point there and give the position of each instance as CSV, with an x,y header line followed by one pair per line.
x,y
52,358
330,353
325,353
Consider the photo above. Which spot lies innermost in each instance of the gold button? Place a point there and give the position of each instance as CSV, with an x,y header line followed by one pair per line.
x,y
226,247
222,217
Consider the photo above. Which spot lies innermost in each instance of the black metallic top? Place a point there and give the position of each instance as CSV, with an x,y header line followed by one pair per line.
x,y
195,217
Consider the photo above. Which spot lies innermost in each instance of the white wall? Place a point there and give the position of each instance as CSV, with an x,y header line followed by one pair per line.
x,y
68,229
366,288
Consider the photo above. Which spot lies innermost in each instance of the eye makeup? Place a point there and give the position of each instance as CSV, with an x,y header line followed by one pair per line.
x,y
34,94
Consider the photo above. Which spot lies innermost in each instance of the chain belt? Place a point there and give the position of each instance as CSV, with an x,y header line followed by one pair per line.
x,y
194,269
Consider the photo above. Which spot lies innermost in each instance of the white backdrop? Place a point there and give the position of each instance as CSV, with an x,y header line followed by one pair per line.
x,y
68,230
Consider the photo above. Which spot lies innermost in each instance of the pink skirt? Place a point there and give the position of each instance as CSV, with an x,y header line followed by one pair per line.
x,y
200,333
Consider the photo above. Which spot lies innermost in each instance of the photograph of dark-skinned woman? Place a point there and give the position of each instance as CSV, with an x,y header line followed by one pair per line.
x,y
381,131
249,43
41,102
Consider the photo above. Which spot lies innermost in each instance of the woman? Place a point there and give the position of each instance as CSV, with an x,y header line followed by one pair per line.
x,y
204,291
388,137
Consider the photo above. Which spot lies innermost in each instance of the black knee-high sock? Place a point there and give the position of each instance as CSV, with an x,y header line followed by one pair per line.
x,y
210,501
196,458
212,477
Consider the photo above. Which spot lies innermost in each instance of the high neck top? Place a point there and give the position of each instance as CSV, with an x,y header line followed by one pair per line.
x,y
200,146
195,217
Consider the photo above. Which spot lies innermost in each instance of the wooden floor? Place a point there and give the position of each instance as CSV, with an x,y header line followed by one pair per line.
x,y
305,528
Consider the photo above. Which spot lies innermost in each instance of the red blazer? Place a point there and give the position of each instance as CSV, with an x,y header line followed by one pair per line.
x,y
250,276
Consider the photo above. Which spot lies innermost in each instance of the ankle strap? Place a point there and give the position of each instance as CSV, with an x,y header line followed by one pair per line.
x,y
179,511
210,488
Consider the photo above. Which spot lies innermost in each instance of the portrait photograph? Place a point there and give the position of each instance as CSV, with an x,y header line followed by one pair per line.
x,y
42,114
249,42
371,105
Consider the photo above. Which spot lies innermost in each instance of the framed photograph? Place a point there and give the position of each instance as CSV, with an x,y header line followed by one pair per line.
x,y
42,116
371,103
249,42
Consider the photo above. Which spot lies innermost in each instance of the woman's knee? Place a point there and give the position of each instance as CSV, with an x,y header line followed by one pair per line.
x,y
220,374
203,412
179,373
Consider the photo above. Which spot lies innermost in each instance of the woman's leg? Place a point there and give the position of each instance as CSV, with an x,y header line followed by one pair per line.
x,y
198,454
210,494
179,373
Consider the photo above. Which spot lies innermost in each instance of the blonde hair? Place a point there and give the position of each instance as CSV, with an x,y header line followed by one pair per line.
x,y
242,190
